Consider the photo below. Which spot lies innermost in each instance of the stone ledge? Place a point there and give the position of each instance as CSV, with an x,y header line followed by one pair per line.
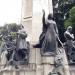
x,y
48,54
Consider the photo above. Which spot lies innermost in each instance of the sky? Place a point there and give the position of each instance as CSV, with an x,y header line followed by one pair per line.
x,y
10,11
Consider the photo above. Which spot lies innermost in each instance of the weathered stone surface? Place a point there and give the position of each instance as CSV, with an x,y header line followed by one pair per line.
x,y
48,60
32,56
6,73
39,70
47,69
38,56
65,64
21,73
30,73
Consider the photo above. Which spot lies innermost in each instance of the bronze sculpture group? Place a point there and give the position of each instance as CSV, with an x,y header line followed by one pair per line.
x,y
18,52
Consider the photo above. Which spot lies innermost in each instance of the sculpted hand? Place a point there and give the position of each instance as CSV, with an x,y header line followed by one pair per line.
x,y
43,11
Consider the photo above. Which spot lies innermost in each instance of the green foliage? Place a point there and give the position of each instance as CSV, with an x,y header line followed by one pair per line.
x,y
14,35
13,27
4,31
72,14
67,23
71,20
9,29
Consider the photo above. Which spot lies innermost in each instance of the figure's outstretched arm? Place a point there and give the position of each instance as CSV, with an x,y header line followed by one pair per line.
x,y
56,28
43,18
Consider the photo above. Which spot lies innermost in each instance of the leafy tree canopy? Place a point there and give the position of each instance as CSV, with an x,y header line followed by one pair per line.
x,y
71,20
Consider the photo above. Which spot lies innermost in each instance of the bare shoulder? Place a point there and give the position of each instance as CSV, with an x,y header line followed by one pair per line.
x,y
51,21
54,22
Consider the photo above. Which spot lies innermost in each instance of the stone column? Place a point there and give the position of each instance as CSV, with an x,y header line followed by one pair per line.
x,y
32,16
26,17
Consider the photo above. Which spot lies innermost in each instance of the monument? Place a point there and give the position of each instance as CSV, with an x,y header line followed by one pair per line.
x,y
32,21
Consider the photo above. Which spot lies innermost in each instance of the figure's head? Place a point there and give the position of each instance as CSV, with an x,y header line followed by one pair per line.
x,y
69,29
10,37
50,17
21,27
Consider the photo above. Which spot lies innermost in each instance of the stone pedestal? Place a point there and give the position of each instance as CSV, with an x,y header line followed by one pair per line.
x,y
48,60
47,68
38,65
32,56
38,57
39,70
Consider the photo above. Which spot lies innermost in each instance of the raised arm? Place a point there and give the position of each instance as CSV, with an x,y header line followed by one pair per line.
x,y
44,22
43,18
